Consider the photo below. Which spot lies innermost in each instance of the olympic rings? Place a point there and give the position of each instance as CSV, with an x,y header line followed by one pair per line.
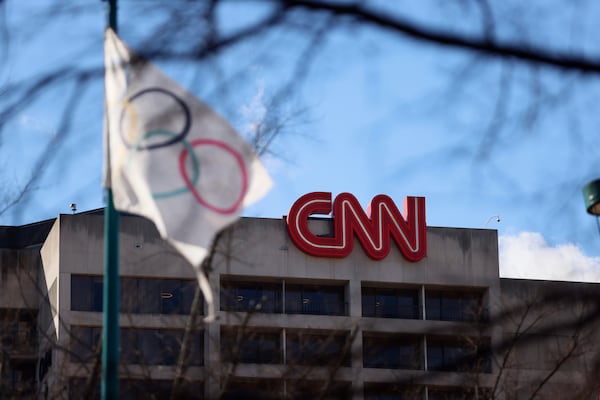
x,y
135,143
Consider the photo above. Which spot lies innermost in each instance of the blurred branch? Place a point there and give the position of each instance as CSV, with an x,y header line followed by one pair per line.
x,y
481,44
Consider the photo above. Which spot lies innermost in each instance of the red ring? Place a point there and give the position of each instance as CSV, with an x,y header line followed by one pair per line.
x,y
190,186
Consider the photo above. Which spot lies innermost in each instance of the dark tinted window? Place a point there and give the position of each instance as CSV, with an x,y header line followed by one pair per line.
x,y
458,394
137,389
157,296
18,379
138,346
310,390
315,299
394,351
458,354
85,343
252,389
390,303
445,305
86,293
159,346
253,347
138,295
251,296
392,391
317,349
18,331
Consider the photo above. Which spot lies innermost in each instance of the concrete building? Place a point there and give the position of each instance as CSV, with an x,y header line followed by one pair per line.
x,y
291,325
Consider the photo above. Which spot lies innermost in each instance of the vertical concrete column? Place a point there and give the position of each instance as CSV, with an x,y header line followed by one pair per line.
x,y
357,363
354,297
212,344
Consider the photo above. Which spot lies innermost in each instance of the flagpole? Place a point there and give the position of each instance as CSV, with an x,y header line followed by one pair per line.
x,y
110,319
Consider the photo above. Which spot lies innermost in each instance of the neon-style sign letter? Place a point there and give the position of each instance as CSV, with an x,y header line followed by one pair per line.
x,y
373,231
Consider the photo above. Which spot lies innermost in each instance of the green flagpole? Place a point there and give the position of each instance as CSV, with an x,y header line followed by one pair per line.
x,y
110,319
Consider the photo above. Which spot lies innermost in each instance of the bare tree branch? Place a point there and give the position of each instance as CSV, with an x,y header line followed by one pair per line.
x,y
485,45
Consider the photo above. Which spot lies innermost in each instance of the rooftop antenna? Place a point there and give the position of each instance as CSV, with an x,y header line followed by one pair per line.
x,y
496,217
73,207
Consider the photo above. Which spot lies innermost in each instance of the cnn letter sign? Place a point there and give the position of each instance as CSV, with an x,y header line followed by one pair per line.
x,y
373,231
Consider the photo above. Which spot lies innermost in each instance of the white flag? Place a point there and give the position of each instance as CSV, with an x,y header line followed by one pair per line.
x,y
172,159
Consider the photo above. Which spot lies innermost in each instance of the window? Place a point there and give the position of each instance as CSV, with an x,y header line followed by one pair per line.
x,y
157,296
85,343
45,364
159,346
392,351
308,390
457,393
390,303
19,379
18,331
251,296
252,347
306,348
458,354
138,295
78,389
315,299
447,305
159,389
138,389
86,293
392,391
138,346
251,389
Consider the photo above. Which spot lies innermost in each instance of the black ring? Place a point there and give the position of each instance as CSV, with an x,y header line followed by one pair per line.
x,y
178,136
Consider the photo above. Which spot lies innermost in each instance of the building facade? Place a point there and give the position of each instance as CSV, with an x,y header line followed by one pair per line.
x,y
290,325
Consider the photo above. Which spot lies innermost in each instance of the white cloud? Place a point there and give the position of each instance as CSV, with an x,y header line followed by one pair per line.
x,y
527,255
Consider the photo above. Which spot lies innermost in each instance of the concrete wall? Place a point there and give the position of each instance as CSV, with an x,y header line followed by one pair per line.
x,y
466,257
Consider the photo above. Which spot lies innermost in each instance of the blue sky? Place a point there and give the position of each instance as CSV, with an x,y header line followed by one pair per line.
x,y
381,114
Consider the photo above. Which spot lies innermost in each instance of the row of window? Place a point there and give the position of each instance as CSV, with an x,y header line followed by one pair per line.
x,y
138,389
398,351
175,296
137,295
275,389
137,346
302,347
268,297
390,391
405,302
245,389
430,352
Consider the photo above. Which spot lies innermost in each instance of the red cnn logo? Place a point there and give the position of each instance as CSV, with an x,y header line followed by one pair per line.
x,y
373,231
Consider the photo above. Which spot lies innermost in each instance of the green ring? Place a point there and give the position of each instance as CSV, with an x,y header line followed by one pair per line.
x,y
193,158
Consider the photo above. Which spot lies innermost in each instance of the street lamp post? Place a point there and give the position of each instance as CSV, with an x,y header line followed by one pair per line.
x,y
591,196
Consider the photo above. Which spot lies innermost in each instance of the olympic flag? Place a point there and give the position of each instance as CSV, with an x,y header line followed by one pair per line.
x,y
172,159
